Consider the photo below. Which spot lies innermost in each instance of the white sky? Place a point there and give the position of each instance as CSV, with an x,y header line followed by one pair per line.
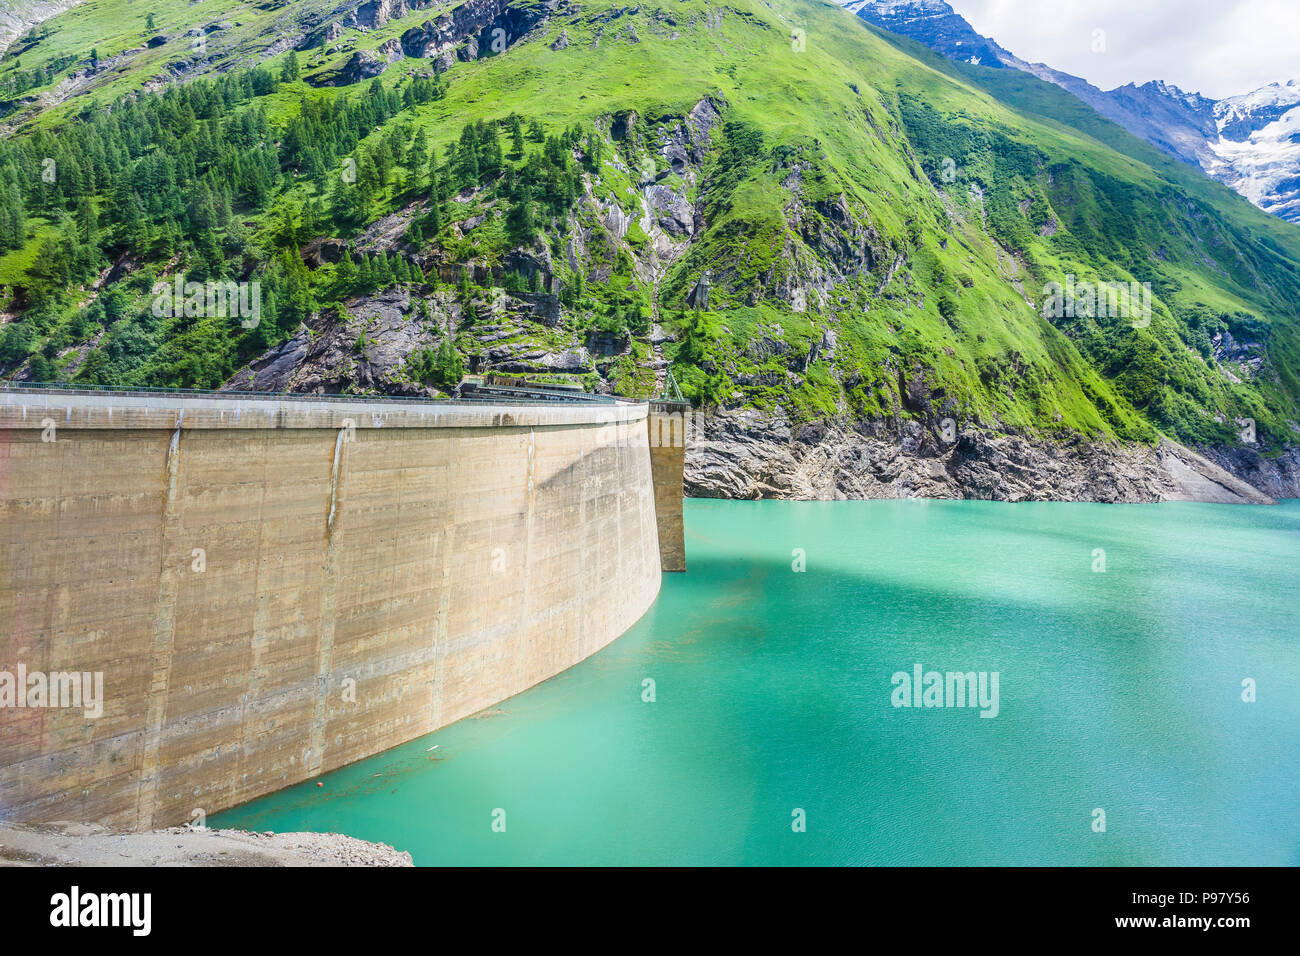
x,y
1217,47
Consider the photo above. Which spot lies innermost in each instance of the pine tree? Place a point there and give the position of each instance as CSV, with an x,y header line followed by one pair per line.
x,y
297,301
489,158
467,164
345,275
13,219
381,159
40,369
516,137
593,152
418,155
520,224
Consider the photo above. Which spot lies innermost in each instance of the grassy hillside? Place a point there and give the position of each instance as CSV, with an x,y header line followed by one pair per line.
x,y
878,224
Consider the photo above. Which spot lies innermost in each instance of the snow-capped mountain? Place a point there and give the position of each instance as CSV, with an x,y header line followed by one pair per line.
x,y
934,23
1250,143
1257,151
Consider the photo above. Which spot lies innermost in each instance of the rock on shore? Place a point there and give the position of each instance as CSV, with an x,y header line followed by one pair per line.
x,y
79,844
749,455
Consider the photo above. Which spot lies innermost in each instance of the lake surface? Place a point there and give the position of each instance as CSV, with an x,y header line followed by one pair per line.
x,y
1119,690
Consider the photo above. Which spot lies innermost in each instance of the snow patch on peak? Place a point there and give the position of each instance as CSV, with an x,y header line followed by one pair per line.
x,y
894,8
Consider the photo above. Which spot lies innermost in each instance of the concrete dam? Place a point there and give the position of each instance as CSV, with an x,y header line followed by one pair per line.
x,y
265,589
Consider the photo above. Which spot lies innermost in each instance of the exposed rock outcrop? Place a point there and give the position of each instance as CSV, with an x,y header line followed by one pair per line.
x,y
375,13
366,348
675,215
1277,475
367,64
475,28
323,249
748,455
363,349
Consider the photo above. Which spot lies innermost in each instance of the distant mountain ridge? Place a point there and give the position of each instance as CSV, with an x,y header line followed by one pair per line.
x,y
1249,142
937,25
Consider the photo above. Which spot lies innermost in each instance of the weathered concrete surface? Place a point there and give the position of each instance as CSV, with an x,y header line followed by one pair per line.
x,y
273,589
667,424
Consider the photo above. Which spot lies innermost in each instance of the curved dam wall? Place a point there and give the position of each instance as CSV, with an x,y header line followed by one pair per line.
x,y
271,589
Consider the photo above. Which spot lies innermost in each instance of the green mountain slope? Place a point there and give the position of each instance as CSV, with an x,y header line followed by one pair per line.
x,y
536,186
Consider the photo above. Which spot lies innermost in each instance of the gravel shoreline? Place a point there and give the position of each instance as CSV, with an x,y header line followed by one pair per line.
x,y
79,844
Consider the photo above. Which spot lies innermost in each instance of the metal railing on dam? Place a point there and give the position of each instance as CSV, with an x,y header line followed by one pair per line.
x,y
107,407
254,589
500,395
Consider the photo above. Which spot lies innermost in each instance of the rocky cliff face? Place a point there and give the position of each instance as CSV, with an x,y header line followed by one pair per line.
x,y
368,346
465,32
474,28
1278,477
373,14
748,456
367,64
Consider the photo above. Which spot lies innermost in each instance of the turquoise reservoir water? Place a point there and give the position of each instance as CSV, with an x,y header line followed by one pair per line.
x,y
1119,690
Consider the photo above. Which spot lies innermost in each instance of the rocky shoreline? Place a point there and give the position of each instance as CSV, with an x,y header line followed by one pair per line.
x,y
82,844
748,455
